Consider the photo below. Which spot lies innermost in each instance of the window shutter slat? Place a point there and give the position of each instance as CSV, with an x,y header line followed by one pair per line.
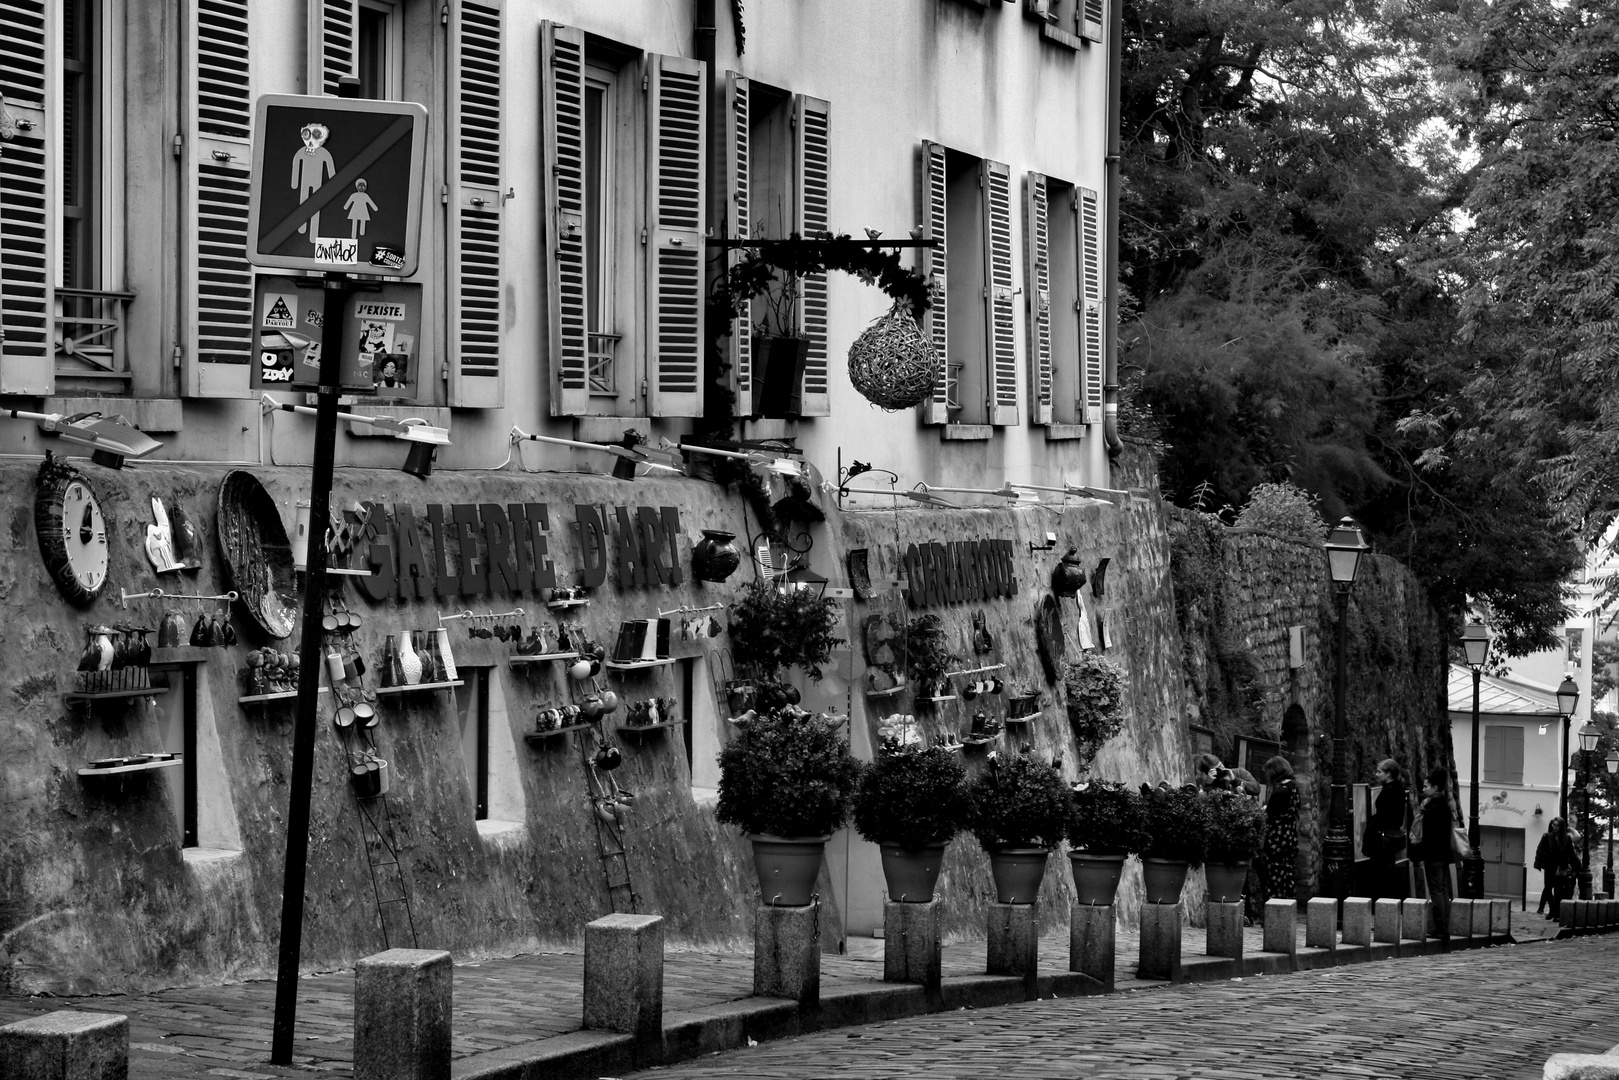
x,y
1037,279
218,287
935,323
476,103
28,225
1000,315
811,160
562,70
677,133
739,222
332,26
1090,276
1089,19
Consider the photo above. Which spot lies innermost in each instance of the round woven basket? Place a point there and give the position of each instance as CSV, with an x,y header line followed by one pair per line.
x,y
892,362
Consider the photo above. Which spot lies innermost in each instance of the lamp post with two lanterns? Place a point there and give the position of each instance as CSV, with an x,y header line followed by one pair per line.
x,y
1346,547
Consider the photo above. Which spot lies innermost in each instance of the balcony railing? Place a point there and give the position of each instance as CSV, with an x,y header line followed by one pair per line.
x,y
90,338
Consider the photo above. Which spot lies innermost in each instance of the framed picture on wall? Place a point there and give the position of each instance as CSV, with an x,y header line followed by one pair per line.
x,y
1253,753
1202,740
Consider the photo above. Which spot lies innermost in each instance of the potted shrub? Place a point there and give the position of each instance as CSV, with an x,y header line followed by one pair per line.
x,y
1236,833
1094,686
911,803
1105,824
1020,811
1175,821
786,779
772,628
927,653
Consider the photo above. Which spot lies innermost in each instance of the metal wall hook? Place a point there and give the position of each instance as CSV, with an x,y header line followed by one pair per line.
x,y
125,597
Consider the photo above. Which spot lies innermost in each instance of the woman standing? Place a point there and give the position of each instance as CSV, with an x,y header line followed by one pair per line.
x,y
1557,860
1281,830
1433,850
1384,840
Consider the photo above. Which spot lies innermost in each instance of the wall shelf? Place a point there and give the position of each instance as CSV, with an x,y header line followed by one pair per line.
x,y
134,766
382,690
940,700
546,736
890,692
637,665
1018,719
557,604
637,729
274,695
518,659
113,695
181,654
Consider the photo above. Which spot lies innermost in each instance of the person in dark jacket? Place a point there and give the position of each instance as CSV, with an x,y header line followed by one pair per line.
x,y
1434,850
1556,858
1384,839
1281,830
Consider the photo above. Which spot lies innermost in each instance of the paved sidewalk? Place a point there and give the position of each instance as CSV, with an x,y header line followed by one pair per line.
x,y
508,1010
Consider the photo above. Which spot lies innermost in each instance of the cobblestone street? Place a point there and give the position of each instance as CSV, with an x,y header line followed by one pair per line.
x,y
1493,1015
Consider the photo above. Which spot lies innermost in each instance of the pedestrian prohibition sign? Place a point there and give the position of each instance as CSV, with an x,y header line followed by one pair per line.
x,y
336,184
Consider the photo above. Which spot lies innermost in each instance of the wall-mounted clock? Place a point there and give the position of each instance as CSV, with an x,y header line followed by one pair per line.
x,y
72,531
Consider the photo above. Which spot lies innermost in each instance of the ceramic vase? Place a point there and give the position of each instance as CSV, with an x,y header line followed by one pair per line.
x,y
715,557
390,675
410,664
446,656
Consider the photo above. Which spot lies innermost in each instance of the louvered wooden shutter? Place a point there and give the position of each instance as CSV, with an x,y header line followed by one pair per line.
x,y
936,322
739,223
218,286
811,152
332,26
28,179
562,73
1000,310
1090,279
475,140
1088,18
677,121
1037,287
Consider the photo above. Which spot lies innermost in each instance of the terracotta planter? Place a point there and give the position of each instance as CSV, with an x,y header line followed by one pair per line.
x,y
788,867
1163,879
911,873
1096,877
1225,881
1017,873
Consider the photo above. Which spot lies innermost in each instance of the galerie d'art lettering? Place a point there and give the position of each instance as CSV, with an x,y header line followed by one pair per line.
x,y
473,550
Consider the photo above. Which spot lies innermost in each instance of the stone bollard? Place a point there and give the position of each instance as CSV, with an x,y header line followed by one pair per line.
x,y
1014,940
1386,921
911,943
1357,921
1160,942
1481,921
1461,919
1091,938
402,1015
1500,919
624,977
66,1045
1565,913
1224,929
1281,928
1581,1067
1414,919
787,952
1321,923
1582,913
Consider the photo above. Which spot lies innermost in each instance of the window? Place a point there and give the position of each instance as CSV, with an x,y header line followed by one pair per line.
x,y
1503,754
81,143
488,751
378,50
967,203
1062,267
1067,22
601,333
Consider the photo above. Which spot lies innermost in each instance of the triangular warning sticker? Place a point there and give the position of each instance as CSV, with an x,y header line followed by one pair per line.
x,y
279,314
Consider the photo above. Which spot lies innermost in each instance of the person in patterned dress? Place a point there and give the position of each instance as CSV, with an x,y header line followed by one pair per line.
x,y
1281,830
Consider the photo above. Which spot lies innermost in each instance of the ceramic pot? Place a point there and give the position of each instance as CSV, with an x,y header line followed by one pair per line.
x,y
445,654
410,664
171,632
715,557
1225,881
911,873
787,868
1163,879
1096,877
1068,575
1017,873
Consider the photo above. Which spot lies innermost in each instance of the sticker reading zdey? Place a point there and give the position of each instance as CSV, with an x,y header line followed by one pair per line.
x,y
337,249
373,310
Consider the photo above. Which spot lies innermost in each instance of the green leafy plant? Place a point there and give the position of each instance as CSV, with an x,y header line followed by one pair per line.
x,y
1236,826
787,773
1106,818
1176,821
1285,509
1095,686
912,798
773,628
926,650
1019,803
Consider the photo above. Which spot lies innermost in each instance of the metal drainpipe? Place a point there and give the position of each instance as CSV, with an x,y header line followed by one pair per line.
x,y
1110,269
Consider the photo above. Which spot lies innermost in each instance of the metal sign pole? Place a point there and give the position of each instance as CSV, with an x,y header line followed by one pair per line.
x,y
310,667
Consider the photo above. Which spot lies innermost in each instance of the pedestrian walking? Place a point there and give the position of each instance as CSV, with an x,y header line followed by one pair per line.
x,y
1281,830
1431,846
1558,862
1384,840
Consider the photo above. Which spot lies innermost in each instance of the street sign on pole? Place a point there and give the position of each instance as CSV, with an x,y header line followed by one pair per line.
x,y
337,184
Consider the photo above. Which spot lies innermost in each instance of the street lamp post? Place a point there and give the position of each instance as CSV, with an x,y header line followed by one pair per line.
x,y
1346,546
1589,734
1476,646
1568,695
1612,761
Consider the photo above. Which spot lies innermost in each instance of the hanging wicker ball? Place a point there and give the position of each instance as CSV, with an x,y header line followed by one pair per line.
x,y
892,363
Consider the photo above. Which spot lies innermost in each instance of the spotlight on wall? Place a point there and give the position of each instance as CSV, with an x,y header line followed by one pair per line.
x,y
423,437
111,439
